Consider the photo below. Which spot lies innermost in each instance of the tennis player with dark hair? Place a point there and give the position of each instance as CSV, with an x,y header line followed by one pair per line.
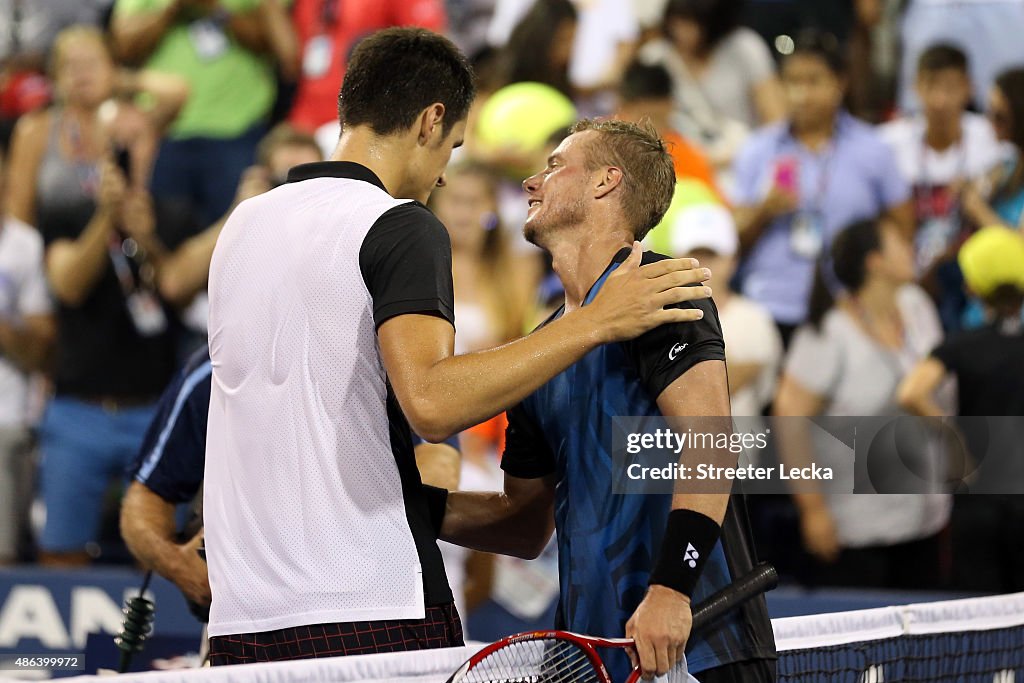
x,y
628,564
331,331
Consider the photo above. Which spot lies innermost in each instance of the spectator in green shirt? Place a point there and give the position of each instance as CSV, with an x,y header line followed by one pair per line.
x,y
225,50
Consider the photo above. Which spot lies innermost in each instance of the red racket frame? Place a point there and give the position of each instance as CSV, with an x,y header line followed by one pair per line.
x,y
760,579
587,644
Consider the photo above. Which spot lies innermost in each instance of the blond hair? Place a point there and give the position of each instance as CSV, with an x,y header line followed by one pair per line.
x,y
648,174
71,35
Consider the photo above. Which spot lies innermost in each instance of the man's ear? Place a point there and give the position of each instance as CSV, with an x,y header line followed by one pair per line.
x,y
431,124
608,179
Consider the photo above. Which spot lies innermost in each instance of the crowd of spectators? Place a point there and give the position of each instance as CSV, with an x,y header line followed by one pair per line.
x,y
842,166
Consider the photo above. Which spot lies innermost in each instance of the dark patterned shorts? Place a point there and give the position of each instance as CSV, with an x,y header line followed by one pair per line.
x,y
441,627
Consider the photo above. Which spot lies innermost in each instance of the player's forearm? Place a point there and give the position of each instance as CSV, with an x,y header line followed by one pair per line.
x,y
492,522
461,391
148,529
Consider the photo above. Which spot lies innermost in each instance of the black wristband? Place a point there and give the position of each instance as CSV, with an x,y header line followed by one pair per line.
x,y
689,539
437,499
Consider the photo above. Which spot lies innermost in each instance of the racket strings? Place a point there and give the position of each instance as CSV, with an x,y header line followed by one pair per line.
x,y
535,661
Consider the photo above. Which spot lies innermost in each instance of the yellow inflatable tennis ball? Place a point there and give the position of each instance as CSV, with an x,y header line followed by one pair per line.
x,y
521,117
689,192
991,257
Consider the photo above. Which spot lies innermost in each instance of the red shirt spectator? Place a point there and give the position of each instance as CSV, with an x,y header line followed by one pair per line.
x,y
328,30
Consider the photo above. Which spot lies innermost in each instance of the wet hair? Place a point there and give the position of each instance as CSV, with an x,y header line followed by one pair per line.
x,y
649,177
396,73
845,265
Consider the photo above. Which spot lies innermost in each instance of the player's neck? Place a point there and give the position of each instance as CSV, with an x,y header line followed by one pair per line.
x,y
386,156
579,258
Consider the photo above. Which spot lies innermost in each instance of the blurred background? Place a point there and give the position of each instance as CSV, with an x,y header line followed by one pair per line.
x,y
849,169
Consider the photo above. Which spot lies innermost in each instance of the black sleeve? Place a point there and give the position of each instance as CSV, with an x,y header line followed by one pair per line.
x,y
406,261
664,354
527,454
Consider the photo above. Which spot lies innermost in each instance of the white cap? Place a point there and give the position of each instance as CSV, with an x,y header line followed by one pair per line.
x,y
704,226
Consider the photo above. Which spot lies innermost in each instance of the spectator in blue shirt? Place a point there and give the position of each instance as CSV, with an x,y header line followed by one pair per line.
x,y
800,182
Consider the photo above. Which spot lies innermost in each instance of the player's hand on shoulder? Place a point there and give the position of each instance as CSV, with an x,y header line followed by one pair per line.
x,y
634,298
660,626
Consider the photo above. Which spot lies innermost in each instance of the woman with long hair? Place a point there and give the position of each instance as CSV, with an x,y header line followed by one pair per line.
x,y
998,199
82,170
724,79
491,303
848,360
540,46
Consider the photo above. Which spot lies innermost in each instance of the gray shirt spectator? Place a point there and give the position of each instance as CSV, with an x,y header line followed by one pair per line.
x,y
735,68
848,362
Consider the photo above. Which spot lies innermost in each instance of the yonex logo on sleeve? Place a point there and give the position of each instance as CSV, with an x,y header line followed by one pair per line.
x,y
676,350
691,555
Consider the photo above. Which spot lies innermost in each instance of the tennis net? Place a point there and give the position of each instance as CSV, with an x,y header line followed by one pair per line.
x,y
978,639
970,640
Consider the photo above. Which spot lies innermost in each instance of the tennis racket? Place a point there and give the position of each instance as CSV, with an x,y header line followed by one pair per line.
x,y
564,657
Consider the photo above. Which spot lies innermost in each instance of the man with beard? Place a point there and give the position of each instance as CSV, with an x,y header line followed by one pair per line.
x,y
628,564
331,333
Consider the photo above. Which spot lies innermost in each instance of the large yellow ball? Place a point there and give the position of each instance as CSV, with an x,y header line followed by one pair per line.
x,y
991,257
521,117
